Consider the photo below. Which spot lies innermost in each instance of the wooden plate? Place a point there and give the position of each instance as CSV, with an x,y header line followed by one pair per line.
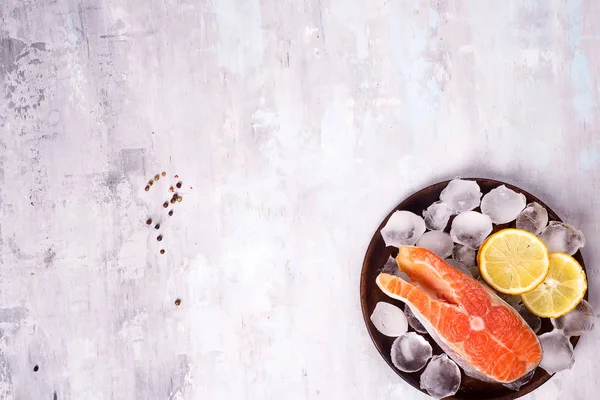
x,y
370,295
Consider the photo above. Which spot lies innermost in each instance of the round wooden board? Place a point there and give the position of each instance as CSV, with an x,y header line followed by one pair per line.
x,y
376,256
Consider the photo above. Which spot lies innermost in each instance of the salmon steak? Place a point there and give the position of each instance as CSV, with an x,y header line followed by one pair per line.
x,y
484,335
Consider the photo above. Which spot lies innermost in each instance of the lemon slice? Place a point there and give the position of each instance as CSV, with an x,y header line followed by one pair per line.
x,y
513,261
561,291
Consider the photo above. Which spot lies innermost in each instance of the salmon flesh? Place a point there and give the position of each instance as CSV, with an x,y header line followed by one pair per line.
x,y
478,330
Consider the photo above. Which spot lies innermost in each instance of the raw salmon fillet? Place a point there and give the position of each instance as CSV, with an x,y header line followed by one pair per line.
x,y
477,329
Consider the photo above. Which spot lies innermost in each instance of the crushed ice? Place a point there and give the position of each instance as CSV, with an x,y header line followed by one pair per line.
x,y
578,321
461,195
436,216
562,237
403,228
471,228
410,352
389,319
441,377
438,242
502,204
557,352
533,218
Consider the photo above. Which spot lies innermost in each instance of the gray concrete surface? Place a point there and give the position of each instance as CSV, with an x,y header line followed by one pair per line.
x,y
294,126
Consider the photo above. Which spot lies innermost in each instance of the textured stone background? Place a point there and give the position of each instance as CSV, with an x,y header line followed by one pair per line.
x,y
295,127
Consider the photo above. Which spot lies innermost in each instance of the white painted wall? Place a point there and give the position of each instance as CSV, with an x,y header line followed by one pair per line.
x,y
295,127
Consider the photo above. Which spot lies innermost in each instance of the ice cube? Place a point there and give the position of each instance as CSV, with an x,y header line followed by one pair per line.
x,y
389,319
502,204
578,321
475,271
557,352
436,216
464,255
413,321
534,322
459,266
533,218
441,377
403,228
516,385
461,195
562,237
391,267
513,301
410,352
470,228
437,241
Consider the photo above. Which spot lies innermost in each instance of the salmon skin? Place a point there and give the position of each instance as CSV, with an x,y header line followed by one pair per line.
x,y
478,330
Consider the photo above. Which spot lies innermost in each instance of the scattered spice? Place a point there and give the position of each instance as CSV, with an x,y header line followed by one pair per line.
x,y
178,185
173,201
164,173
170,213
165,204
147,188
177,302
156,177
162,251
159,238
171,189
179,199
157,226
148,221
